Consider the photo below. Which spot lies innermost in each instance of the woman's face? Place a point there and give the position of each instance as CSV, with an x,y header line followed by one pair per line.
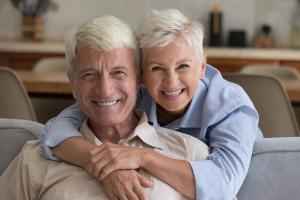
x,y
171,74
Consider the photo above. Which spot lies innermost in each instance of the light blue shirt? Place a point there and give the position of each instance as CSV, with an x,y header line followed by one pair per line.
x,y
220,114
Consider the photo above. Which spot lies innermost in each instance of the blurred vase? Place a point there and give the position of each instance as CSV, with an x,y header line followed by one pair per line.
x,y
295,30
215,26
33,27
295,37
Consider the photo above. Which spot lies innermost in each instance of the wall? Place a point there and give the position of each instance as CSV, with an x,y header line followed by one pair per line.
x,y
238,14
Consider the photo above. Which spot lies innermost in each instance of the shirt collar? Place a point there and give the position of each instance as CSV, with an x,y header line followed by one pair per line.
x,y
146,133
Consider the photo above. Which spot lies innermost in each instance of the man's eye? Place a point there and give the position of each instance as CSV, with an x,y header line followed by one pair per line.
x,y
119,73
89,76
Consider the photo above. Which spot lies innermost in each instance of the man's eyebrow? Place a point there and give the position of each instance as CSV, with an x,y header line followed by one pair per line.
x,y
86,70
119,67
154,62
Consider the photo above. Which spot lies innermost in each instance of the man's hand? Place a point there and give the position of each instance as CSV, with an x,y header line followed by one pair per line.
x,y
125,185
110,157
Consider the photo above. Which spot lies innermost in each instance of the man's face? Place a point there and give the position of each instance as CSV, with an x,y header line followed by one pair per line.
x,y
171,74
105,85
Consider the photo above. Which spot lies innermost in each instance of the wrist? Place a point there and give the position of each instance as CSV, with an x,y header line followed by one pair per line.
x,y
146,158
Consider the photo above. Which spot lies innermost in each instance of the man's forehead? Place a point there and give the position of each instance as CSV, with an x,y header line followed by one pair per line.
x,y
120,55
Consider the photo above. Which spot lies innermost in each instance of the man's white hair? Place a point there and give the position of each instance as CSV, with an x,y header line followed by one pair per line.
x,y
101,33
159,28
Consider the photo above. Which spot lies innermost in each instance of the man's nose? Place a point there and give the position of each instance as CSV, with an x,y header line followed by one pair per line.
x,y
104,87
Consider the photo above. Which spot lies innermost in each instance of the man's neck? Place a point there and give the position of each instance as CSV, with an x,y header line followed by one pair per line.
x,y
116,132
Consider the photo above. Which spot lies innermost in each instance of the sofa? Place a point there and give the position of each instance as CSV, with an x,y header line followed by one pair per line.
x,y
273,173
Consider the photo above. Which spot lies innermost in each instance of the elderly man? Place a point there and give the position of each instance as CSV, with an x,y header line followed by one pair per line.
x,y
102,66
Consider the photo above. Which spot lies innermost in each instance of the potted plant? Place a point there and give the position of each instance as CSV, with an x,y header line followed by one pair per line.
x,y
32,20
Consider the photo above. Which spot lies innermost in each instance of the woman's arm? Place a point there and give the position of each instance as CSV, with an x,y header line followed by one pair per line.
x,y
177,173
60,128
74,150
109,157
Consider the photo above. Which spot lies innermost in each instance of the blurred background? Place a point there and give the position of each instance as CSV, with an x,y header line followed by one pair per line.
x,y
248,16
240,37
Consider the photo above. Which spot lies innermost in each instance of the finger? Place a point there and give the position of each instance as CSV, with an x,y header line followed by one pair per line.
x,y
111,196
89,167
96,150
100,166
144,181
123,197
92,164
93,161
101,147
106,170
97,162
139,191
131,195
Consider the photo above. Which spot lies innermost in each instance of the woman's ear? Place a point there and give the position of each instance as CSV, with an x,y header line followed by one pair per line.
x,y
138,82
203,66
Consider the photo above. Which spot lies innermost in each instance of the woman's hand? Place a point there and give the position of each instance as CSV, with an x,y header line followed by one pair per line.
x,y
125,184
109,157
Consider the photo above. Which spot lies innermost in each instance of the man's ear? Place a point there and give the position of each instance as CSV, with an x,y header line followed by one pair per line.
x,y
73,89
203,66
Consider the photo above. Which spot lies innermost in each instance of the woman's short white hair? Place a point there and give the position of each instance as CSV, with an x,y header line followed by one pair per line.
x,y
159,28
101,33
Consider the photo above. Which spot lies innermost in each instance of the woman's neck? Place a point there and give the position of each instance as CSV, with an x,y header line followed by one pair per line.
x,y
165,117
116,132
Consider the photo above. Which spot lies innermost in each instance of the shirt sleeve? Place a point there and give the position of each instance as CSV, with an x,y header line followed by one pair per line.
x,y
231,141
197,149
23,177
11,183
60,128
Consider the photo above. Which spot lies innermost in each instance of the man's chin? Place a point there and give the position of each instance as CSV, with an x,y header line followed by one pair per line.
x,y
105,120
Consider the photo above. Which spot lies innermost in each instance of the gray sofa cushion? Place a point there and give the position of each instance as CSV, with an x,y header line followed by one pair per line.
x,y
13,134
274,171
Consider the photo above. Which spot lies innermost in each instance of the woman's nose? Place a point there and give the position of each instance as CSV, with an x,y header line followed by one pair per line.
x,y
170,79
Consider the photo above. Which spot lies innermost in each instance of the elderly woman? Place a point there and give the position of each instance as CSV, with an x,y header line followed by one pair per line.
x,y
183,94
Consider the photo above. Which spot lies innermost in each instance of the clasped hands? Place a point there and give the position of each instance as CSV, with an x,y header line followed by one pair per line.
x,y
115,166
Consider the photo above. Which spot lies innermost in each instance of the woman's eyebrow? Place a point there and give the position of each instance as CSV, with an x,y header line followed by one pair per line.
x,y
183,61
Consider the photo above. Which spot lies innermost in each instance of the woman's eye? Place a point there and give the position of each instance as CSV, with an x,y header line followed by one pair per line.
x,y
183,66
156,68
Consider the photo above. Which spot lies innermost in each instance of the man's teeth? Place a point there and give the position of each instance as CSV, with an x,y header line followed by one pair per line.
x,y
106,103
175,93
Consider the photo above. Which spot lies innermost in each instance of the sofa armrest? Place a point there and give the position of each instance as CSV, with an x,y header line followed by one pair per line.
x,y
274,170
14,133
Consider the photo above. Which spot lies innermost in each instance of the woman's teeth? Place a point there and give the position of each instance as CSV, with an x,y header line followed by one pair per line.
x,y
175,93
